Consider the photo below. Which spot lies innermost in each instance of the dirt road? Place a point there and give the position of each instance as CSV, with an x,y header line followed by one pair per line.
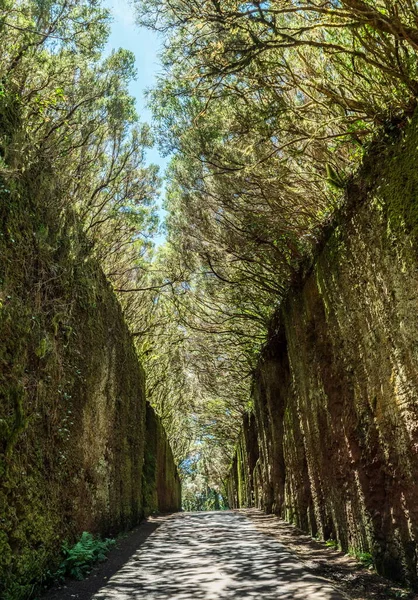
x,y
213,556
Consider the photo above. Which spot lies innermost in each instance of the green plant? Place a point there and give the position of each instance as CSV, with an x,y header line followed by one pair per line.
x,y
79,559
365,558
401,594
331,543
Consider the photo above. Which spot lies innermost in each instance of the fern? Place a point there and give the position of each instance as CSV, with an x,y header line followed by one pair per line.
x,y
79,559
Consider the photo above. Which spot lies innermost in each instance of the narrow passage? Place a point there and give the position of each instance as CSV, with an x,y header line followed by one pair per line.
x,y
211,556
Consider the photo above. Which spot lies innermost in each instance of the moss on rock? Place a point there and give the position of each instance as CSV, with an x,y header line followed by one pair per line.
x,y
161,482
335,392
72,399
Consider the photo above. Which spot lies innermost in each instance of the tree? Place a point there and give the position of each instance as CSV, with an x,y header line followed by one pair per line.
x,y
267,109
64,105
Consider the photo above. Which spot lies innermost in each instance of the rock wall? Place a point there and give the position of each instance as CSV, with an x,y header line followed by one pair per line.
x,y
332,444
161,482
72,401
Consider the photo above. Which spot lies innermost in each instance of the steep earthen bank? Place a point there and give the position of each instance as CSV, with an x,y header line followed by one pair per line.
x,y
161,482
72,400
332,442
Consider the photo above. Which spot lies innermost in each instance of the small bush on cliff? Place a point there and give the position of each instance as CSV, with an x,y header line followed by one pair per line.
x,y
79,559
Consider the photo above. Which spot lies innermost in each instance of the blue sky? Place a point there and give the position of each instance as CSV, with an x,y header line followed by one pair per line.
x,y
145,44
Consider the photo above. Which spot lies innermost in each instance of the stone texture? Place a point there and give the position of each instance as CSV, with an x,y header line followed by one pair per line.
x,y
161,482
335,393
72,399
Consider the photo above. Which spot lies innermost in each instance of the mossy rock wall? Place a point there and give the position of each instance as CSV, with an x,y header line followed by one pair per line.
x,y
335,394
72,400
161,482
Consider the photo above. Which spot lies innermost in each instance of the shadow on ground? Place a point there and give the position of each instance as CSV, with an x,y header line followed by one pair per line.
x,y
344,571
126,546
212,556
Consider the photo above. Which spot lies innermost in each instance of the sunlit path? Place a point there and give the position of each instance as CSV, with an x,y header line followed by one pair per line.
x,y
214,555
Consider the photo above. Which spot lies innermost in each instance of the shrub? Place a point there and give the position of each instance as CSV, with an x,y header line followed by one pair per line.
x,y
365,558
79,559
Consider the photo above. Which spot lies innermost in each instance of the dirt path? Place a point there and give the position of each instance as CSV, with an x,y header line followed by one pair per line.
x,y
125,547
343,571
211,556
236,555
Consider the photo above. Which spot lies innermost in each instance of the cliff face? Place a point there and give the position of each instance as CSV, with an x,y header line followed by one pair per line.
x,y
332,444
161,482
72,401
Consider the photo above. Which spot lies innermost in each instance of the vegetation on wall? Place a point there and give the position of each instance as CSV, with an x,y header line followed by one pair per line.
x,y
267,109
331,445
76,201
160,478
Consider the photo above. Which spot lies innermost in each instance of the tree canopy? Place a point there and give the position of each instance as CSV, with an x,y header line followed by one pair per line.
x,y
267,109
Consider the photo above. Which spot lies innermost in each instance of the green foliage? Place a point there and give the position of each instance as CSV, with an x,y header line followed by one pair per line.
x,y
80,558
401,594
85,128
365,558
268,109
75,189
335,179
256,102
206,499
202,487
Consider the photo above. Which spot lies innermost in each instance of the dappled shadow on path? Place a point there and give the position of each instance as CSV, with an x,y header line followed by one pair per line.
x,y
342,570
212,556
